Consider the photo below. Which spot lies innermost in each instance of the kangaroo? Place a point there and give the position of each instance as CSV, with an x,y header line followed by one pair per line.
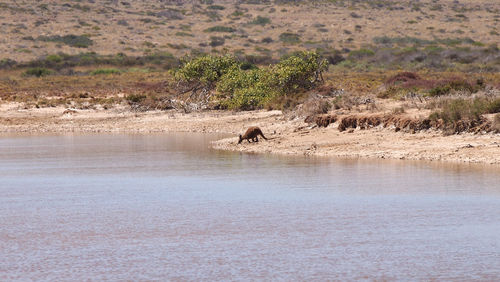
x,y
252,133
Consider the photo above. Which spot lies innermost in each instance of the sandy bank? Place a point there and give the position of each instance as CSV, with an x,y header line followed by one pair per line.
x,y
286,136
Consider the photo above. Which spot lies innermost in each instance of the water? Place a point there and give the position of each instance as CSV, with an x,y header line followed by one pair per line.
x,y
164,207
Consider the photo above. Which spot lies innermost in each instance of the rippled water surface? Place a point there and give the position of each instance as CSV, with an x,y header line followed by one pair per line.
x,y
164,207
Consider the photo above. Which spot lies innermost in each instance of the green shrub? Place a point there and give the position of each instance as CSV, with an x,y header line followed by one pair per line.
x,y
205,69
216,7
467,109
135,98
38,72
216,41
457,84
261,21
299,72
494,106
183,33
220,28
289,38
79,41
439,91
7,63
240,87
105,71
357,54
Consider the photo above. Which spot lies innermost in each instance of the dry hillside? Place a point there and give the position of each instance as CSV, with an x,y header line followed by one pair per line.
x,y
33,29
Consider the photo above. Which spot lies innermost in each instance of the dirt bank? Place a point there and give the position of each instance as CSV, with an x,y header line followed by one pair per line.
x,y
286,136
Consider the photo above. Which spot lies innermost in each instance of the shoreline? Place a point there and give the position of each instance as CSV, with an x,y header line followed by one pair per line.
x,y
286,136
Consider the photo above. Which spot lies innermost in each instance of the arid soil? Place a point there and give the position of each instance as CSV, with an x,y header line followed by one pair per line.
x,y
286,135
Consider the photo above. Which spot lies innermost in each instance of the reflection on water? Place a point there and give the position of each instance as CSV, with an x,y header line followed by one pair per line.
x,y
156,207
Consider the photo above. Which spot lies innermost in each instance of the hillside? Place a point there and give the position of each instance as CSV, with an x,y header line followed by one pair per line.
x,y
257,28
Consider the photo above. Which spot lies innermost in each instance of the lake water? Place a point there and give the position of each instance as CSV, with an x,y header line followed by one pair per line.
x,y
165,207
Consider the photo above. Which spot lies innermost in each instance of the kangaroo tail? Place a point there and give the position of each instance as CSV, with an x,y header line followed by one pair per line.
x,y
263,136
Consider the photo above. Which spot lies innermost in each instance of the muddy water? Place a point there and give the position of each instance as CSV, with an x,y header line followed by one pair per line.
x,y
164,207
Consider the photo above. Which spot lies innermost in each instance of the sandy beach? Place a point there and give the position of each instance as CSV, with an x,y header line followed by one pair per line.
x,y
286,135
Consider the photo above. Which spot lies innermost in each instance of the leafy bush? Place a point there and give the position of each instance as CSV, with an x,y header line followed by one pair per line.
x,y
299,72
240,87
38,72
206,69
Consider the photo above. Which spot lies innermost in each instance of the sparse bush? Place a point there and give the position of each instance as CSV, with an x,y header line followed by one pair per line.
x,y
289,38
7,63
38,72
465,111
216,7
216,41
444,87
135,98
261,21
105,71
402,78
122,22
496,123
220,28
267,40
79,41
357,54
182,33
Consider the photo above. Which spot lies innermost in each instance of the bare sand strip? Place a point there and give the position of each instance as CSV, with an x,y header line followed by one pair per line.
x,y
286,136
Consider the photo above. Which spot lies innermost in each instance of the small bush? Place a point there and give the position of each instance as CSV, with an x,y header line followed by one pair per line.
x,y
220,28
494,106
440,91
402,77
38,72
261,21
7,63
105,71
289,38
444,87
267,40
79,41
135,98
496,123
457,110
357,54
216,7
244,88
216,41
206,69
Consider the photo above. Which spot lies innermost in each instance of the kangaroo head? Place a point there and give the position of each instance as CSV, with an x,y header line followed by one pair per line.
x,y
241,139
